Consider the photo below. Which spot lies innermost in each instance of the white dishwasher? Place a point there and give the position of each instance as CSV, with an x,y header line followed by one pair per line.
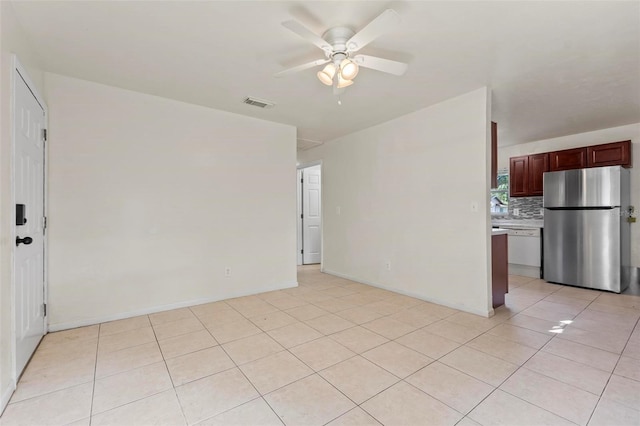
x,y
525,252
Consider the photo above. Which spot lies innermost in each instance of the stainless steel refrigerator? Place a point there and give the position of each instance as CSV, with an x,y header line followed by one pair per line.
x,y
587,238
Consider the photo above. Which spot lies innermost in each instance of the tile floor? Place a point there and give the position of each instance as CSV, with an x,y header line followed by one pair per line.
x,y
333,351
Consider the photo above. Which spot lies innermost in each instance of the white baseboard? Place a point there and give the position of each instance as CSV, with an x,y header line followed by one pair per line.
x,y
155,309
6,396
487,313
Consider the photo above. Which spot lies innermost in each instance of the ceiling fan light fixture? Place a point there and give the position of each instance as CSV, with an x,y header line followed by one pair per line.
x,y
343,82
348,69
327,73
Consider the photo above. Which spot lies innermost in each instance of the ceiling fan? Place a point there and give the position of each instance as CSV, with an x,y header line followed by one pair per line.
x,y
340,45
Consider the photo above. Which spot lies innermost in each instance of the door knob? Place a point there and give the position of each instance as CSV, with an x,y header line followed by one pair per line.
x,y
25,240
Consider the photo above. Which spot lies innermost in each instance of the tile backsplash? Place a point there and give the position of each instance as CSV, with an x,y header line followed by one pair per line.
x,y
529,208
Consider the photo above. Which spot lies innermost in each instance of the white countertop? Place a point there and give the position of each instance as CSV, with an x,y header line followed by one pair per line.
x,y
498,231
524,223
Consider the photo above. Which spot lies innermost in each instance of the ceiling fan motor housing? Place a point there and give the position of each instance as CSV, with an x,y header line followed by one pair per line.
x,y
338,38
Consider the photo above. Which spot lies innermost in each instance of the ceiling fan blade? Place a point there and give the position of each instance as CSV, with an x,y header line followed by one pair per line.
x,y
374,29
381,64
307,34
301,67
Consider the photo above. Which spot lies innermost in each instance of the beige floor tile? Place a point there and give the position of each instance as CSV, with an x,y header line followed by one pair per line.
x,y
68,336
578,293
215,394
562,305
209,308
503,409
389,327
359,315
82,422
359,339
623,391
177,328
611,342
429,344
127,324
357,416
632,350
403,404
196,365
577,304
322,353
55,355
315,296
434,310
588,355
287,302
252,348
186,343
602,323
273,295
621,300
56,408
385,307
306,312
123,388
360,299
502,348
414,318
334,305
458,390
570,372
609,413
231,331
255,412
452,331
294,334
482,366
547,314
618,310
275,371
109,363
533,323
520,335
126,339
358,378
404,301
397,359
552,395
466,421
476,322
171,316
256,307
310,401
214,319
329,324
54,377
339,291
160,409
629,368
273,320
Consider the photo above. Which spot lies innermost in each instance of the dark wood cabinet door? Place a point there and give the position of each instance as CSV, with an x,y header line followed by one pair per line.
x,y
494,155
568,159
538,164
518,176
610,154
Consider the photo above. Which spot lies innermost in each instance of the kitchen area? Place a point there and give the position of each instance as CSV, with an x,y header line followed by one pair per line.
x,y
568,215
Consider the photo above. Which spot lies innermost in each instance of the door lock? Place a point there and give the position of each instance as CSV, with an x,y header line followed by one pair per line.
x,y
25,240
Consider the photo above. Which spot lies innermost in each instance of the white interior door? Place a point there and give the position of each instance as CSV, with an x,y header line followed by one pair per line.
x,y
29,252
299,217
311,215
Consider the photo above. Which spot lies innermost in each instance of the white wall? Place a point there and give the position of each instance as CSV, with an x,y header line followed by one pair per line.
x,y
150,199
12,41
614,134
404,189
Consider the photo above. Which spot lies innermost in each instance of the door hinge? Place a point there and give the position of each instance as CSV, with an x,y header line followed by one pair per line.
x,y
301,216
302,180
44,309
44,224
301,251
44,134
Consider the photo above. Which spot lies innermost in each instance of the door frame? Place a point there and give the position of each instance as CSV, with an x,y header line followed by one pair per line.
x,y
299,208
19,71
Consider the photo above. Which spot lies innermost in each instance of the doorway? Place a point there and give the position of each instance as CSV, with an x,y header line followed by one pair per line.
x,y
310,214
29,136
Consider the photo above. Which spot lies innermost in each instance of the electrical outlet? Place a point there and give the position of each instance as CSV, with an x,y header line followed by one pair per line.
x,y
388,266
516,212
227,272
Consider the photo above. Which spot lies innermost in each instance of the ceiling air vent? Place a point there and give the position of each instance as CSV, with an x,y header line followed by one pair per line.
x,y
260,103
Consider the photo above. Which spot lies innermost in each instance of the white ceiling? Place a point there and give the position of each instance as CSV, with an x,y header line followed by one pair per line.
x,y
556,68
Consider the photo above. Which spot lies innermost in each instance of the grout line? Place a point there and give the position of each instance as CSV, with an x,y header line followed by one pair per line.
x,y
95,372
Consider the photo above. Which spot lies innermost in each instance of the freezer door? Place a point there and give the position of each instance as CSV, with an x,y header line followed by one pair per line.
x,y
596,187
582,248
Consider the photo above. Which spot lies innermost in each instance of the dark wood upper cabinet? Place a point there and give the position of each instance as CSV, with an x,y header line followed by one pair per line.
x,y
518,176
610,154
568,159
494,155
538,164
